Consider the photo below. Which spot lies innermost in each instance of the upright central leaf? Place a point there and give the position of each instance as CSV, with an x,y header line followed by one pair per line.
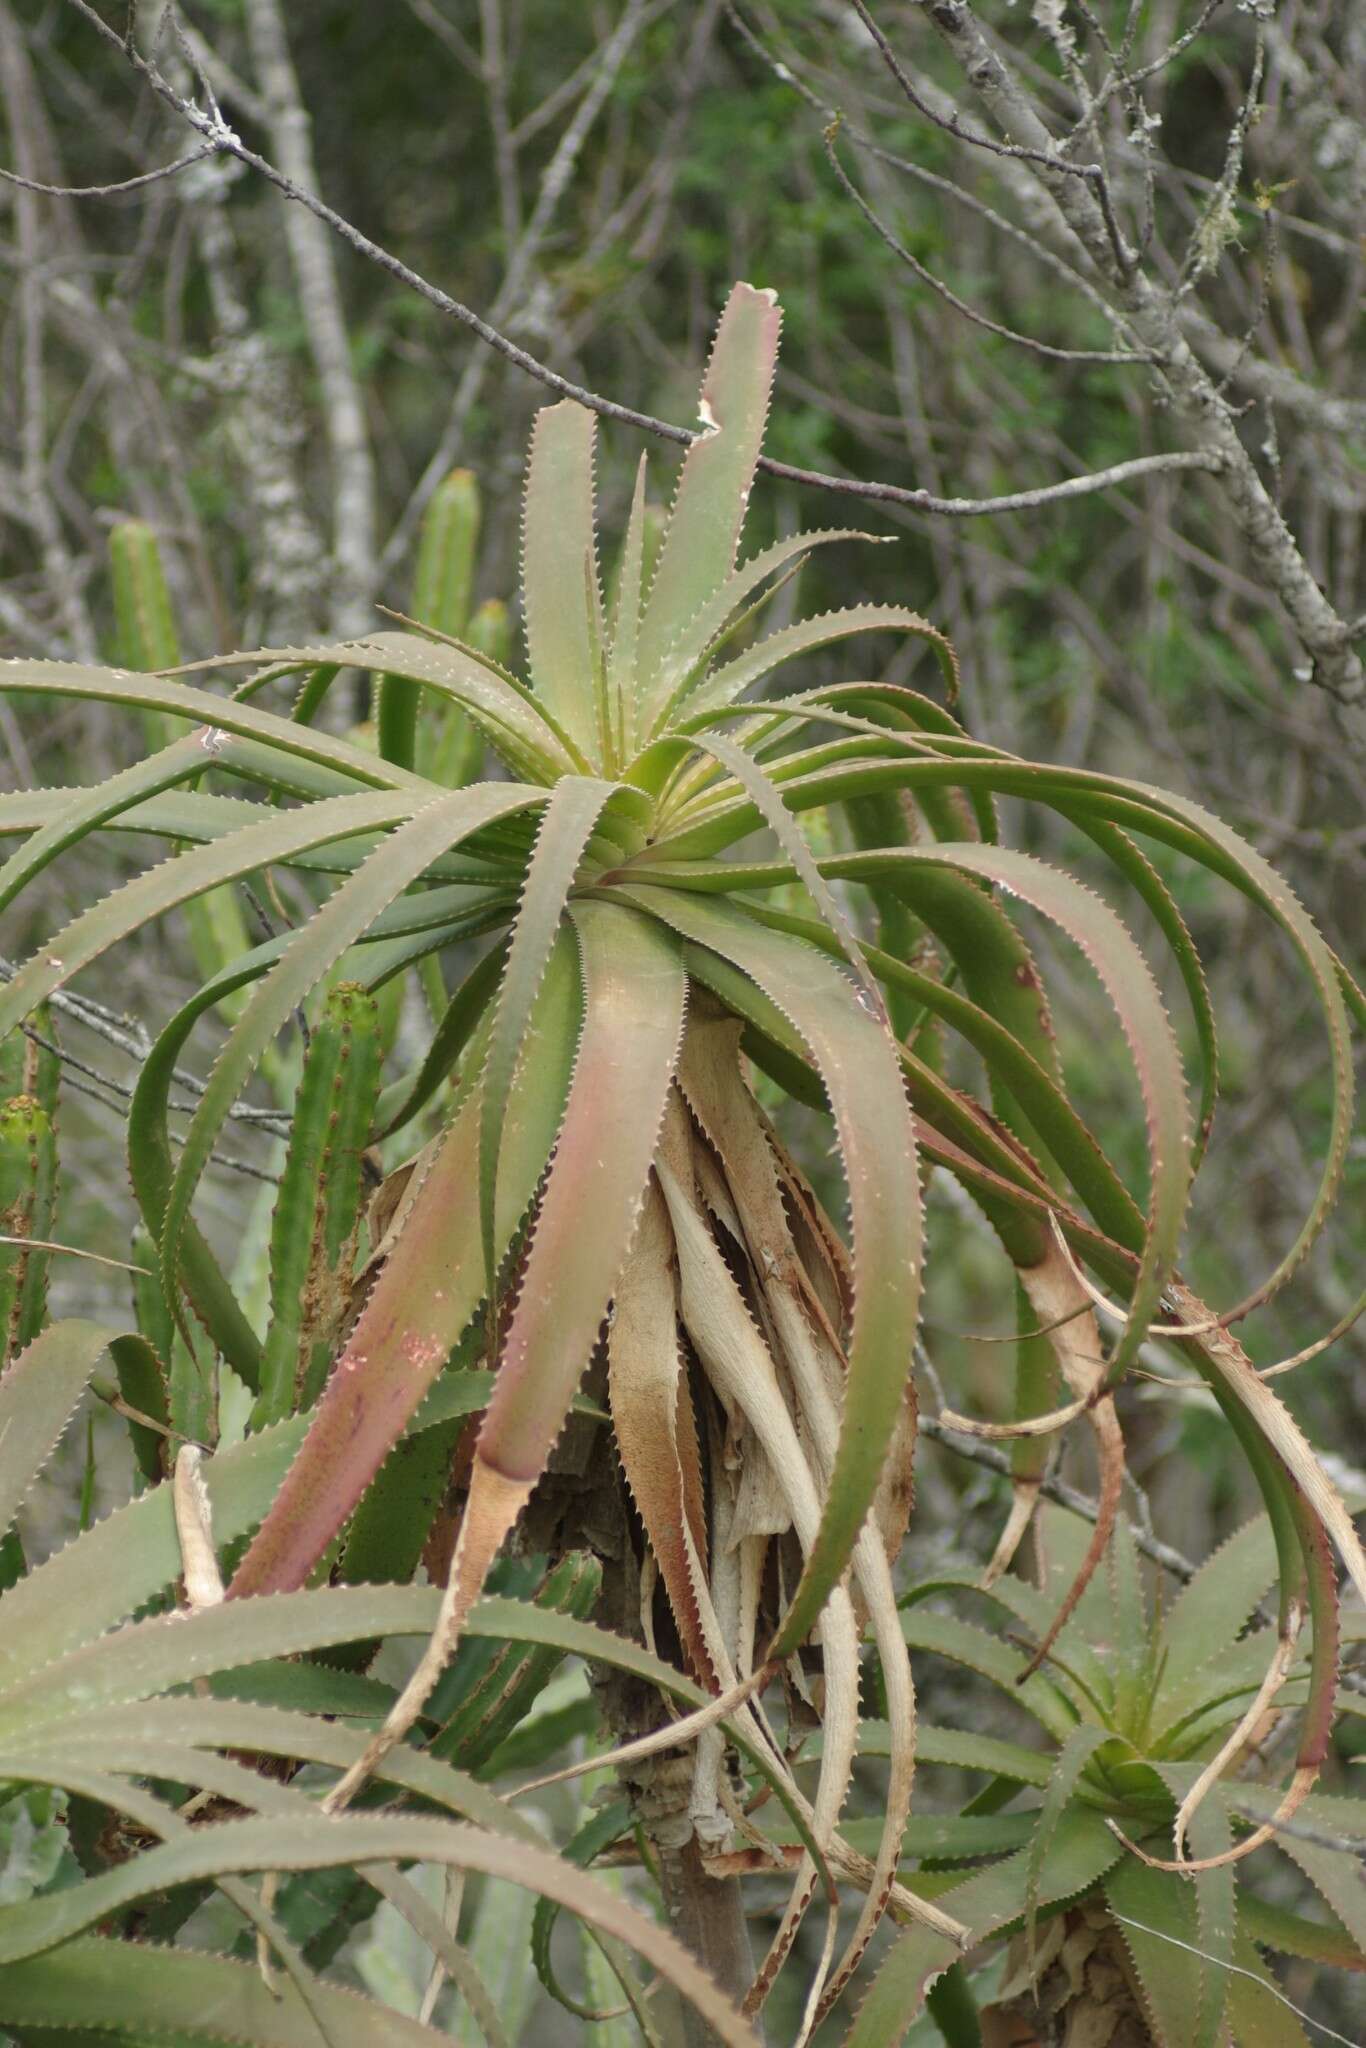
x,y
564,630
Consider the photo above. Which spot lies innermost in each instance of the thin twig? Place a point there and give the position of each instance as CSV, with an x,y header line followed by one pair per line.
x,y
1237,1970
936,284
1054,1489
182,163
114,1030
609,408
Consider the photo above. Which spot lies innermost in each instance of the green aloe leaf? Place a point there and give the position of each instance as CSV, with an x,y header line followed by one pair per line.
x,y
1059,1799
38,1396
1258,2009
217,714
727,685
1290,1934
1207,1615
132,1555
959,1748
84,810
564,627
84,1687
140,1991
523,729
1164,1946
989,1903
28,1195
622,692
187,1731
696,640
490,1710
33,1925
571,813
697,552
978,1650
591,1839
181,879
312,950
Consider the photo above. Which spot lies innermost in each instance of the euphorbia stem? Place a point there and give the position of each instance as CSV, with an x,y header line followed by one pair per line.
x,y
708,1916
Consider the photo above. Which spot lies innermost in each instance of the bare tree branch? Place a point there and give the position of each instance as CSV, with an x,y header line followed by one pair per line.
x,y
1153,314
353,522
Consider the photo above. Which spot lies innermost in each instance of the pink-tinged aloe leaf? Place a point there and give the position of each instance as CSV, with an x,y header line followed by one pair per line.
x,y
38,1396
1305,1512
184,877
656,1432
1128,981
425,1294
1249,1401
571,813
1083,796
218,714
564,628
698,550
995,1170
728,684
634,999
314,948
634,993
859,1069
1062,1308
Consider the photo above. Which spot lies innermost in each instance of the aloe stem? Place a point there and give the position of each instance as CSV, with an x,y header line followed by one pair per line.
x,y
708,1916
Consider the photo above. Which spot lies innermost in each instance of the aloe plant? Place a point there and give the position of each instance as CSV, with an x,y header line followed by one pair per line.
x,y
1152,1712
597,1175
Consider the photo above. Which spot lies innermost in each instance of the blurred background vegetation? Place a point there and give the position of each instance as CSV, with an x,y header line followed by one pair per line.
x,y
199,354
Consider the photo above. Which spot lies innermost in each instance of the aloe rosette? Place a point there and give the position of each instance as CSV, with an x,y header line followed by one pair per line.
x,y
598,1178
1156,1705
